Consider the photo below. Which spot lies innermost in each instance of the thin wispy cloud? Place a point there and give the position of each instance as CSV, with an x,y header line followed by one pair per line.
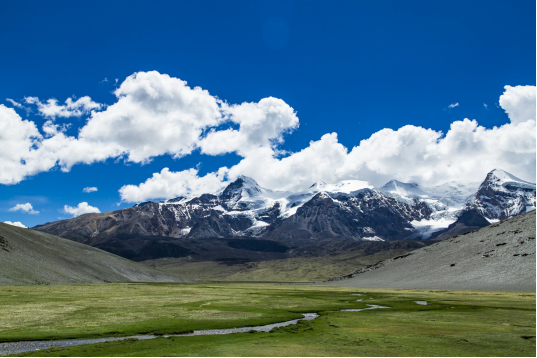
x,y
14,103
453,105
89,189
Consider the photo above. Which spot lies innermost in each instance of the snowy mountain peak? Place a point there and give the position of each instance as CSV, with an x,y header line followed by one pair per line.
x,y
247,181
502,195
499,177
243,186
404,190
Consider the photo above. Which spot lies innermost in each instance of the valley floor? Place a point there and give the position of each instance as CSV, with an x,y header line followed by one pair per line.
x,y
297,269
418,322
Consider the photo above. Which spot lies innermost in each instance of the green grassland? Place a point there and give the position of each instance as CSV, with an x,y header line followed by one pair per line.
x,y
298,269
454,323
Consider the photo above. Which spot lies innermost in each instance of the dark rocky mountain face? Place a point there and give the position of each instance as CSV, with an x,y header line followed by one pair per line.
x,y
367,216
194,227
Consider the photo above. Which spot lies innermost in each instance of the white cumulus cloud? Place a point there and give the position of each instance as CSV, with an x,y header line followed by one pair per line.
x,y
16,223
262,124
27,208
467,152
453,105
89,189
17,139
80,209
519,103
155,114
167,184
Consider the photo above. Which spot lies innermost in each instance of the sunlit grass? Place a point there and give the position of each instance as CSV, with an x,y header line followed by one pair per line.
x,y
453,323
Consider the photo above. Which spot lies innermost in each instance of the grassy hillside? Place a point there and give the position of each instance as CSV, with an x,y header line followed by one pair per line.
x,y
32,257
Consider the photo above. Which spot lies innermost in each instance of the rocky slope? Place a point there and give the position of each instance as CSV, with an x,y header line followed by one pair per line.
x,y
499,257
33,257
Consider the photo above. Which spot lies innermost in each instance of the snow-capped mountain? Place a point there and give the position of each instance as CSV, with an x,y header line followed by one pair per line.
x,y
348,210
446,202
502,195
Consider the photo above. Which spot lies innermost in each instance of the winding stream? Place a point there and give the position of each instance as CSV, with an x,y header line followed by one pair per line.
x,y
25,346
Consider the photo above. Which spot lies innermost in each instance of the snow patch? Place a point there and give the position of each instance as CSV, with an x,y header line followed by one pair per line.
x,y
425,228
372,238
345,186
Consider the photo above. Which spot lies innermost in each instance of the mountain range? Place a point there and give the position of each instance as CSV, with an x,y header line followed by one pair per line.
x,y
258,223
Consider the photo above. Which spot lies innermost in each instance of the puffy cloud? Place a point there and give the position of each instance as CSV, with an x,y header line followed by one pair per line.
x,y
519,103
27,208
411,153
167,184
297,171
17,137
51,109
24,150
155,114
466,152
89,189
16,223
82,208
262,124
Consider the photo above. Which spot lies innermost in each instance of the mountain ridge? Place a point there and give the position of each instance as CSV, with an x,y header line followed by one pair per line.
x,y
352,210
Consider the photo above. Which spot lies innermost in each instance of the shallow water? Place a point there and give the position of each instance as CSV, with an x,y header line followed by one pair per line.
x,y
25,346
372,307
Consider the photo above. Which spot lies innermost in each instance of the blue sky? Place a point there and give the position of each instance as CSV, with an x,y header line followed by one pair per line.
x,y
348,67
